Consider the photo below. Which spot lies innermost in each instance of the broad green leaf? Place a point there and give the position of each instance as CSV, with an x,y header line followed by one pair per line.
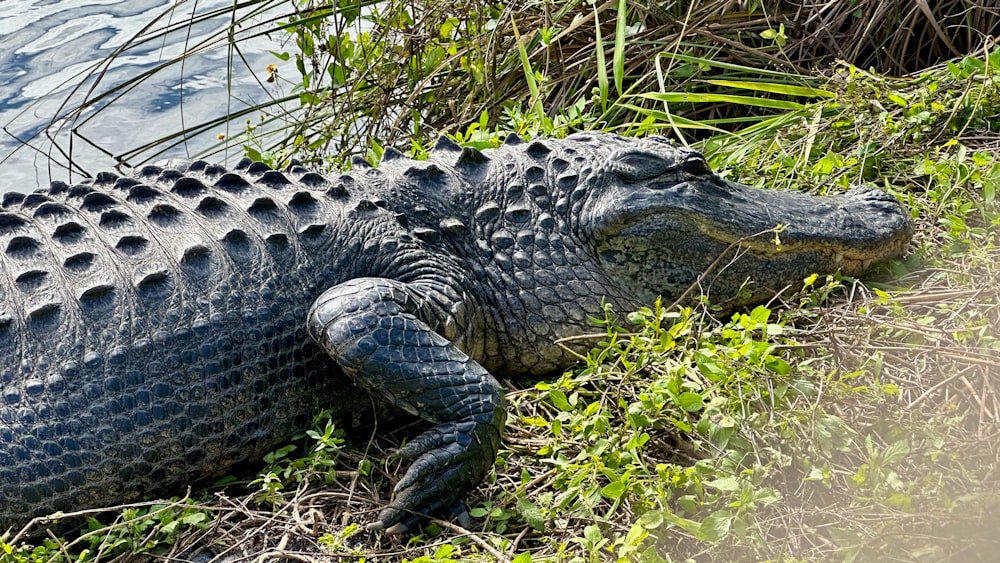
x,y
593,533
682,523
531,514
194,518
559,400
690,401
651,520
901,501
777,365
535,421
445,551
708,367
898,100
635,535
896,452
760,314
724,484
613,490
717,525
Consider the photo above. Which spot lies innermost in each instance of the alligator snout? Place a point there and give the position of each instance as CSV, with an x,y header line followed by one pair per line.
x,y
865,224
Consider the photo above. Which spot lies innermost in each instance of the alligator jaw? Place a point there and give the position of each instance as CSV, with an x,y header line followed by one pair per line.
x,y
735,234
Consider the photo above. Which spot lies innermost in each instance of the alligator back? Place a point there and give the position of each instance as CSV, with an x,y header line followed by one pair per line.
x,y
151,330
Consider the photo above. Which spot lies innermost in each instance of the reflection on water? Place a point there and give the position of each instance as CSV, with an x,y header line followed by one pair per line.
x,y
52,51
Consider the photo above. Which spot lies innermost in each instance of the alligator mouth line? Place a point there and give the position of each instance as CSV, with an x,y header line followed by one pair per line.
x,y
774,246
877,228
768,243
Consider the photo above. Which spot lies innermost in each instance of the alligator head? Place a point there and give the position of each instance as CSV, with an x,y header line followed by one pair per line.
x,y
660,218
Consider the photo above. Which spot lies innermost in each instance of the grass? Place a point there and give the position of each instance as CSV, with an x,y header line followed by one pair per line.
x,y
854,420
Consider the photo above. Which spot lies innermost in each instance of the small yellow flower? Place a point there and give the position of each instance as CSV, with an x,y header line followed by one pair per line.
x,y
221,136
272,72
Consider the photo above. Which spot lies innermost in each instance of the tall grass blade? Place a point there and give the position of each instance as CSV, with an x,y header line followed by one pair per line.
x,y
529,74
619,56
695,97
706,62
602,69
669,119
775,88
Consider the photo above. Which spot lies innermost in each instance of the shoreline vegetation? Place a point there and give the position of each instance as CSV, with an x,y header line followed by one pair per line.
x,y
854,420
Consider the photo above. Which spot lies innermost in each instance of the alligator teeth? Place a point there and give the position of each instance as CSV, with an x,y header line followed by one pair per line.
x,y
865,264
838,258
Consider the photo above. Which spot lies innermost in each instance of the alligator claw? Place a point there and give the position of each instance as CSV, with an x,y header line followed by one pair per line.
x,y
459,513
397,530
450,459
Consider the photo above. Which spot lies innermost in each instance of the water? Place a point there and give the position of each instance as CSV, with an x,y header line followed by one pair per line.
x,y
53,55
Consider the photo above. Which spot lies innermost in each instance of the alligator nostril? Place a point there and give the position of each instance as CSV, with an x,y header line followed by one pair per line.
x,y
872,194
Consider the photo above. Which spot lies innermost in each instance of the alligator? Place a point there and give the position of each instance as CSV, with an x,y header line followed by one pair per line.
x,y
160,327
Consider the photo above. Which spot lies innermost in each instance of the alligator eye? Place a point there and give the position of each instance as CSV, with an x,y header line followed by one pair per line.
x,y
696,167
636,166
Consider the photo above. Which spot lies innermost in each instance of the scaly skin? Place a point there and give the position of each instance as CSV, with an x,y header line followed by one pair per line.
x,y
158,329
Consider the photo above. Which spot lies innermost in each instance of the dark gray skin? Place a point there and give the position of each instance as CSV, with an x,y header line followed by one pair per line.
x,y
158,329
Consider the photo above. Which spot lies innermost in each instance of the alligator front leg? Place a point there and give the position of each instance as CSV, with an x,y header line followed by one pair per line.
x,y
380,332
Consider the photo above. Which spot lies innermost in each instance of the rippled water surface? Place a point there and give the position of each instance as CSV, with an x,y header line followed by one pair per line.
x,y
54,52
